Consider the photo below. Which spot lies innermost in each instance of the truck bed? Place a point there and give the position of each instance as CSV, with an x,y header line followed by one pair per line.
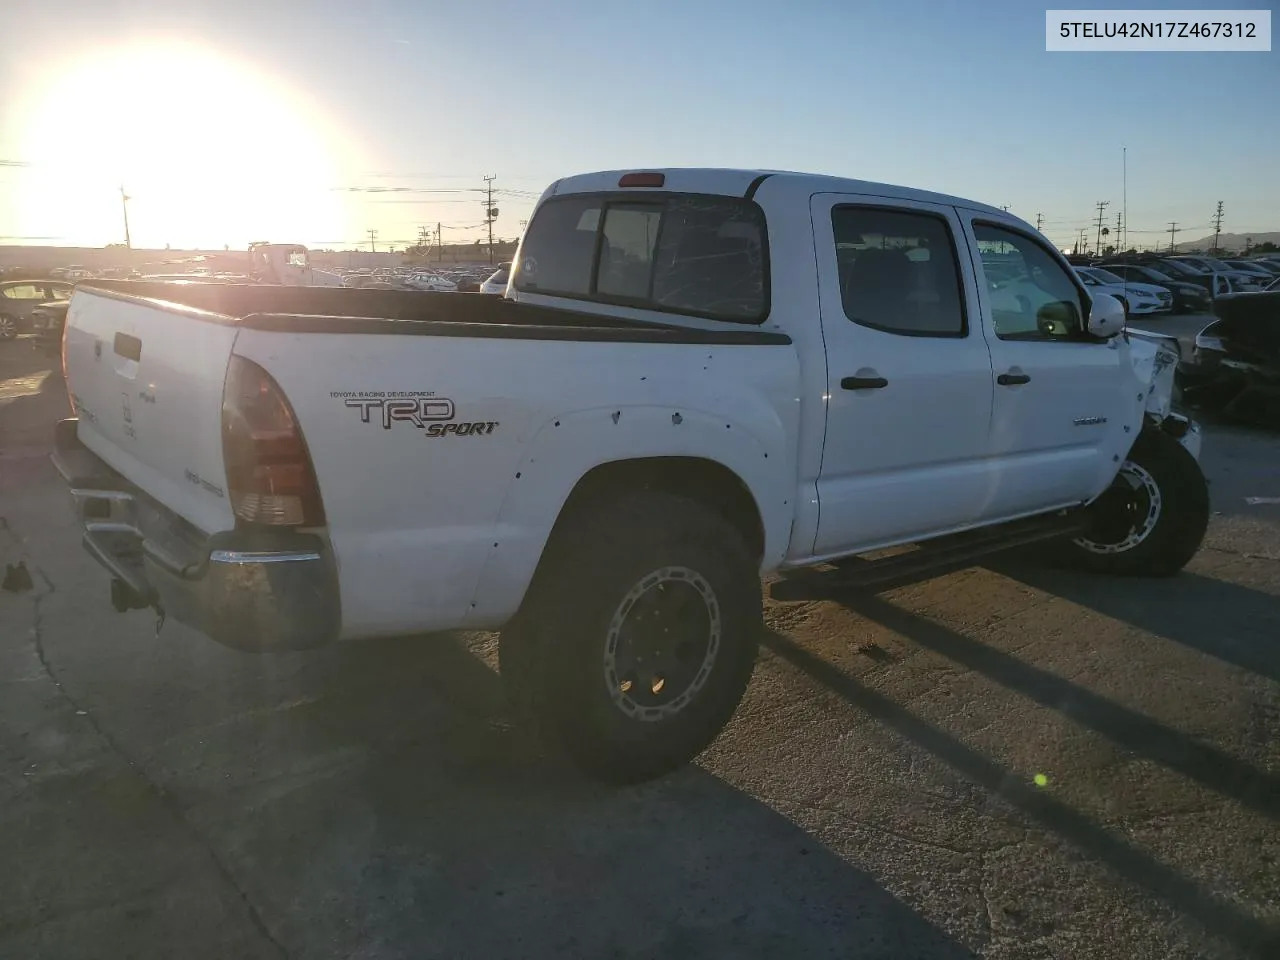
x,y
406,312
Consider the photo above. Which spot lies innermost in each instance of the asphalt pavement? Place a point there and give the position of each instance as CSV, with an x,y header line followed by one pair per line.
x,y
1012,761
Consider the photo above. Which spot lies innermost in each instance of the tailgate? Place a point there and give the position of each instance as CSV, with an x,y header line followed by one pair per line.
x,y
146,380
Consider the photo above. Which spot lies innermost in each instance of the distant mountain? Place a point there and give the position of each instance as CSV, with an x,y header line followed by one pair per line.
x,y
1231,241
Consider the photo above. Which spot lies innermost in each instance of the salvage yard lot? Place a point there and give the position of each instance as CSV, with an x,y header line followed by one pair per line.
x,y
1012,760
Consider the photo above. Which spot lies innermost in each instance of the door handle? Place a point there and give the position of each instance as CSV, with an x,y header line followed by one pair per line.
x,y
1012,379
863,383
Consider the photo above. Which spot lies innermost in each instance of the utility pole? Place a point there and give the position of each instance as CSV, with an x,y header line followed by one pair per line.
x,y
124,205
373,240
1102,205
439,245
1217,227
1119,228
1173,232
1248,245
490,213
1005,208
1039,220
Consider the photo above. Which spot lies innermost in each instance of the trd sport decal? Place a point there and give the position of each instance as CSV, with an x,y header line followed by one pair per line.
x,y
430,414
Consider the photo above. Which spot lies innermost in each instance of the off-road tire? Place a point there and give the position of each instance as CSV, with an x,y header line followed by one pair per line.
x,y
1179,525
553,655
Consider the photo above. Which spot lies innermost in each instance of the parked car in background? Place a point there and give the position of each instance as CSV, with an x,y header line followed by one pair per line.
x,y
496,285
1139,299
19,298
1179,270
47,321
468,283
1187,297
431,282
1264,273
1235,366
1240,279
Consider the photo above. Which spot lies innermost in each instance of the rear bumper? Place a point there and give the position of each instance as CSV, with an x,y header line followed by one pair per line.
x,y
251,590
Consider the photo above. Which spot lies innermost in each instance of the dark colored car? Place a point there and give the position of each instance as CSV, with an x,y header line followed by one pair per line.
x,y
469,284
19,298
1180,271
1187,297
1235,368
47,321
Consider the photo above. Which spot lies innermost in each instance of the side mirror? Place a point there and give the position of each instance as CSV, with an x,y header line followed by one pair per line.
x,y
1106,317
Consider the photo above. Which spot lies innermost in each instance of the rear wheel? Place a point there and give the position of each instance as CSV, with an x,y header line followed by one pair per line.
x,y
639,636
1152,519
8,327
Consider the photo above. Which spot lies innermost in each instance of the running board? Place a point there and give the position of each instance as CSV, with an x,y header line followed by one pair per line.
x,y
932,558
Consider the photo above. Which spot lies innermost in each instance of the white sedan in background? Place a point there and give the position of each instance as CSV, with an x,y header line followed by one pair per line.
x,y
430,282
1139,299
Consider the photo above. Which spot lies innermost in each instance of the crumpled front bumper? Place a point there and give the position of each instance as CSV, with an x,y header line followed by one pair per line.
x,y
251,590
1185,430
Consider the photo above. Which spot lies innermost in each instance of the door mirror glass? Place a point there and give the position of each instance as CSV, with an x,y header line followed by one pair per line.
x,y
1058,319
1106,316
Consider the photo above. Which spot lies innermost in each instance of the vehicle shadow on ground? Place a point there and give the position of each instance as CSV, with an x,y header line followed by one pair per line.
x,y
1179,892
419,823
1229,622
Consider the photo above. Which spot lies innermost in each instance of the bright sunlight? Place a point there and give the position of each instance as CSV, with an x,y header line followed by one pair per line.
x,y
209,151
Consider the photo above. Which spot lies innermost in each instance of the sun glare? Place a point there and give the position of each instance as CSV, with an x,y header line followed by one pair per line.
x,y
210,152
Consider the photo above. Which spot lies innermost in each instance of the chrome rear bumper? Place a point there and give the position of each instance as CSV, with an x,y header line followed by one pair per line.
x,y
248,589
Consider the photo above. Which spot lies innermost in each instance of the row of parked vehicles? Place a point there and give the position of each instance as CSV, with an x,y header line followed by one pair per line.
x,y
1150,284
430,281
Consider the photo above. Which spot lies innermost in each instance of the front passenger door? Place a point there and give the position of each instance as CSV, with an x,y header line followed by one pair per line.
x,y
1059,393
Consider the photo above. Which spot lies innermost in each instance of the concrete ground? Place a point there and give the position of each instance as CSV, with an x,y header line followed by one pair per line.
x,y
1013,761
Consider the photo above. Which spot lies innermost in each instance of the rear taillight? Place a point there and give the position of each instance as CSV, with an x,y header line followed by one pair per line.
x,y
269,472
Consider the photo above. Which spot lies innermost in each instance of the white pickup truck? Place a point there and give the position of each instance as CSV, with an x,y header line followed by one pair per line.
x,y
698,377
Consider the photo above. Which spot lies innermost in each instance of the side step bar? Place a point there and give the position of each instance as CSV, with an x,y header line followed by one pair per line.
x,y
932,558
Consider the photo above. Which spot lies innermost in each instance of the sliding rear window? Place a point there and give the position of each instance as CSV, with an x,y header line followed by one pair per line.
x,y
703,256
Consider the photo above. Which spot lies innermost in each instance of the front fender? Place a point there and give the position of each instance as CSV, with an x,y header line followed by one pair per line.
x,y
755,446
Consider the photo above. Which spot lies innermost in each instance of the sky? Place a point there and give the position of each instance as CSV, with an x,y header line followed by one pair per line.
x,y
318,121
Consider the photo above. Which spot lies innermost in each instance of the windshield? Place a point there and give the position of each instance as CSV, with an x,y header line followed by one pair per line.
x,y
1181,268
1106,276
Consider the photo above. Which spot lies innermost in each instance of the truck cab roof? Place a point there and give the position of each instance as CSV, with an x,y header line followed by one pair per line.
x,y
739,183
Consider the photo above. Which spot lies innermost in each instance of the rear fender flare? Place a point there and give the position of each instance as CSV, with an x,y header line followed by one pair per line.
x,y
568,447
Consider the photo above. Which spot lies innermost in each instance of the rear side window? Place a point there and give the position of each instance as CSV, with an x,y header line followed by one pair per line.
x,y
679,253
898,271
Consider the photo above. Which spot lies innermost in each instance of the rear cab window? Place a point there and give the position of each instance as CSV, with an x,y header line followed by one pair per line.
x,y
690,254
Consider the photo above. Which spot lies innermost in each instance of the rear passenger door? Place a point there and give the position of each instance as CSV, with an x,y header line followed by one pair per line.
x,y
909,384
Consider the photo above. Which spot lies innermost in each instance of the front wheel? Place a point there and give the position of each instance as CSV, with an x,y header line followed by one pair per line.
x,y
1152,519
8,327
639,636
